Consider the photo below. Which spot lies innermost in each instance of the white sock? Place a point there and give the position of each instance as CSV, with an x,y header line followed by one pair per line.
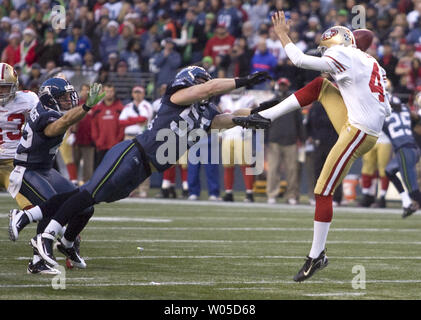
x,y
382,193
365,190
406,200
62,231
228,191
249,191
321,229
185,185
166,184
34,214
66,243
54,228
35,259
289,104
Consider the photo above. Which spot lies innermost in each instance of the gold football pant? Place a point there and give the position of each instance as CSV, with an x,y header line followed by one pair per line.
x,y
6,166
351,144
377,159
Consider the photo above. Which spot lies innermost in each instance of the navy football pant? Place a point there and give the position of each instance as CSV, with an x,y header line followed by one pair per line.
x,y
40,185
404,161
123,168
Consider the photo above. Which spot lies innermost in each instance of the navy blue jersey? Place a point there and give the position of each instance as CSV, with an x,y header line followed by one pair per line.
x,y
175,118
398,129
36,150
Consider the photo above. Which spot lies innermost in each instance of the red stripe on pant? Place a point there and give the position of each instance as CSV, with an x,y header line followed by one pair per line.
x,y
339,160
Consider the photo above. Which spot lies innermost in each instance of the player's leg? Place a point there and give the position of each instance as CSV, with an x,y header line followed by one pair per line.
x,y
122,169
384,151
184,174
244,152
391,172
368,171
228,153
407,159
351,144
319,89
168,181
273,171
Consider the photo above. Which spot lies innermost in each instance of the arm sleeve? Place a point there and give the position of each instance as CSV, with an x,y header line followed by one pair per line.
x,y
305,61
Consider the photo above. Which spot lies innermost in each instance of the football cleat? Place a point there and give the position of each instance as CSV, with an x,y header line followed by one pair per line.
x,y
172,193
76,244
41,268
228,197
367,200
44,244
380,203
72,254
249,197
17,221
311,266
410,210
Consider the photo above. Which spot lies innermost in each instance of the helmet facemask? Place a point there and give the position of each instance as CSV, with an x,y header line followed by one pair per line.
x,y
7,92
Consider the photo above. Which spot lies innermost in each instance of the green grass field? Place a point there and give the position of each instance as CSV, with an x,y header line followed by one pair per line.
x,y
205,251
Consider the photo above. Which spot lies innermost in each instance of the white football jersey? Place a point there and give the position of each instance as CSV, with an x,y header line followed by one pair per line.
x,y
144,109
12,117
362,84
228,104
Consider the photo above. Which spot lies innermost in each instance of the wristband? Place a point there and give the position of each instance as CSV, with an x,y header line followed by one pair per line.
x,y
241,82
86,108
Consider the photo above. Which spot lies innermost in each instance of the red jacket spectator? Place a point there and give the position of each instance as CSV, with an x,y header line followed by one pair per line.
x,y
26,51
10,54
220,44
106,131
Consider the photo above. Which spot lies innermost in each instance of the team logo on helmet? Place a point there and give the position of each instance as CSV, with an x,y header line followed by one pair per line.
x,y
329,34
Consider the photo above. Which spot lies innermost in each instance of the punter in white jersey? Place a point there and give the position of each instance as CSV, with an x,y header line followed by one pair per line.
x,y
14,108
233,143
360,104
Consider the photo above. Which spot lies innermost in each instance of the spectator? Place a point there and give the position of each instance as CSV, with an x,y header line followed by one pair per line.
x,y
26,53
135,118
71,57
109,41
263,60
10,54
132,54
274,46
167,61
207,64
220,44
122,81
84,150
236,145
81,41
49,49
114,7
126,35
388,61
283,136
90,67
240,58
414,74
209,26
105,130
230,17
211,171
34,81
148,42
258,13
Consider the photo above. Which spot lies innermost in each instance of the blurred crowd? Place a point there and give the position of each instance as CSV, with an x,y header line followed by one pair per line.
x,y
134,48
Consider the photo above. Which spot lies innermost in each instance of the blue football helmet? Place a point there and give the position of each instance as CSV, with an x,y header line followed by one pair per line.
x,y
190,76
53,89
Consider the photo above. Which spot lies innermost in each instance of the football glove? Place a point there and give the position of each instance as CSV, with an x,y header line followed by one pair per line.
x,y
266,105
252,79
254,121
94,95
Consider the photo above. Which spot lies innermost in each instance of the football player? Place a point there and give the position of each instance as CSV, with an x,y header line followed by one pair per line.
x,y
34,175
357,111
14,109
398,129
130,162
234,144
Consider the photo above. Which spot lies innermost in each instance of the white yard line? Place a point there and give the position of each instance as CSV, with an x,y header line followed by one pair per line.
x,y
250,206
207,283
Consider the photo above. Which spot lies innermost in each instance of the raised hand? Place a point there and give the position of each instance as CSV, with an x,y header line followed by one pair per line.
x,y
94,95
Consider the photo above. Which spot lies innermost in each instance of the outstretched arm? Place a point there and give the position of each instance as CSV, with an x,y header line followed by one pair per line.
x,y
215,87
297,57
74,115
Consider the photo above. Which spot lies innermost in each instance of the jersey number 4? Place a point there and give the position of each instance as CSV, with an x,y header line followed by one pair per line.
x,y
19,124
376,83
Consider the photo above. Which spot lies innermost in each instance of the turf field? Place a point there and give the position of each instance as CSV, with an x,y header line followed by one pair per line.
x,y
218,251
